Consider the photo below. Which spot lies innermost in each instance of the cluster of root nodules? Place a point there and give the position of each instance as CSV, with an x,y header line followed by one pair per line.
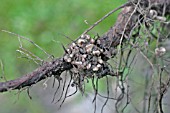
x,y
87,58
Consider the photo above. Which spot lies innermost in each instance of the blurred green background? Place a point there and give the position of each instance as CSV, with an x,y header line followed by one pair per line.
x,y
43,22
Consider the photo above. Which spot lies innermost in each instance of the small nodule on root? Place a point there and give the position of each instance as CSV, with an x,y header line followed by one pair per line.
x,y
86,56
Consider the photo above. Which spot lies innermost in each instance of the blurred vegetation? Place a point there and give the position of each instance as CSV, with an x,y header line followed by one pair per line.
x,y
43,22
